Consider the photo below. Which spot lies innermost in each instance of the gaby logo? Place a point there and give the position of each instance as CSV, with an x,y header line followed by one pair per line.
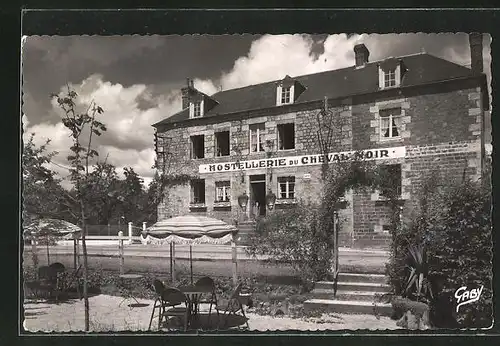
x,y
465,296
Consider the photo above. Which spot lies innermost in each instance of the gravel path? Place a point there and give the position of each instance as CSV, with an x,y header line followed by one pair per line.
x,y
106,315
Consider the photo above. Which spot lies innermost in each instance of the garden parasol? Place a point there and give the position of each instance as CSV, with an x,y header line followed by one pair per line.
x,y
189,230
52,228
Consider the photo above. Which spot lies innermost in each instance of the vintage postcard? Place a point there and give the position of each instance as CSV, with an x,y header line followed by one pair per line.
x,y
257,182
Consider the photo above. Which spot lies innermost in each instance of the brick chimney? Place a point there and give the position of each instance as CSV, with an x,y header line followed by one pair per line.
x,y
361,54
476,52
185,93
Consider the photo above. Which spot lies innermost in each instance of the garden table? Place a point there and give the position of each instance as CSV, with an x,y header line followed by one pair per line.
x,y
193,294
126,286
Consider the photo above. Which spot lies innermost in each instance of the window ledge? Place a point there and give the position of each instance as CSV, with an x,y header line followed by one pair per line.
x,y
391,139
389,87
286,150
286,201
218,204
197,205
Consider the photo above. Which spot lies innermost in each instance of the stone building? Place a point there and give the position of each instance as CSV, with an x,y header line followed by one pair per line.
x,y
411,114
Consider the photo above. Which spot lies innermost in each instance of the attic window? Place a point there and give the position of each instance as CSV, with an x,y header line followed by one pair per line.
x,y
196,108
390,74
390,77
285,95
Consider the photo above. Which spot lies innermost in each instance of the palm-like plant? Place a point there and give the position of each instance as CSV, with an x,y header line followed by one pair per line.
x,y
418,284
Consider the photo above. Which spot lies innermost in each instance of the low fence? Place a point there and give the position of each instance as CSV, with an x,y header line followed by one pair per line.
x,y
120,241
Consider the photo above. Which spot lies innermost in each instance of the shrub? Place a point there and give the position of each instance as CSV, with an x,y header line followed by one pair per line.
x,y
292,236
453,222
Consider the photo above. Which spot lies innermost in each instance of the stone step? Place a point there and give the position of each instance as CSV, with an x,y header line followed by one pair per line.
x,y
353,277
354,286
365,296
348,307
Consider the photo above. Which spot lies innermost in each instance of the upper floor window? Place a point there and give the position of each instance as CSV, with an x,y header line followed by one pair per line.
x,y
222,191
389,77
198,191
390,123
286,136
286,187
222,143
285,95
257,137
197,147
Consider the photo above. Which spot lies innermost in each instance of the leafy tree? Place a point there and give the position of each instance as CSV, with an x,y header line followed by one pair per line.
x,y
101,183
42,192
81,123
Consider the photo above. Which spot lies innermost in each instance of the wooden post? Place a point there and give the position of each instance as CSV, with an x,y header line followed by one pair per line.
x,y
74,252
172,256
77,251
144,226
47,247
235,262
171,274
34,252
130,233
191,261
120,251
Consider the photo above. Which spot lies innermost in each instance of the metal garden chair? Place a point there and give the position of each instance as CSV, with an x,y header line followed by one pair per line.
x,y
208,284
231,306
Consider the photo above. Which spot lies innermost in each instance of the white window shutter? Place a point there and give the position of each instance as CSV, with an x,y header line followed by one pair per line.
x,y
292,91
191,109
278,95
380,78
398,75
202,106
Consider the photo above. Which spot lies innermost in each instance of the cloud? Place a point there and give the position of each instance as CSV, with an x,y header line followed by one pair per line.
x,y
128,141
273,57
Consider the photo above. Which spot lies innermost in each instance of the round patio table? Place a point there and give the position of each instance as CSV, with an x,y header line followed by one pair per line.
x,y
193,294
126,286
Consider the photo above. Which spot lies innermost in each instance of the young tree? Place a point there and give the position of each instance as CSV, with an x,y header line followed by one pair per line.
x,y
81,124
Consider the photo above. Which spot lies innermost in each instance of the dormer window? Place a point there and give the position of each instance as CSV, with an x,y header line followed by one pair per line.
x,y
286,95
390,77
287,91
390,73
196,109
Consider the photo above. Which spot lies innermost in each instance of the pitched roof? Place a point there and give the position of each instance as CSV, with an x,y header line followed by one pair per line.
x,y
421,68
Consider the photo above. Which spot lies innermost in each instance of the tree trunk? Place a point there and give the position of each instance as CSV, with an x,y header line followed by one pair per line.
x,y
85,269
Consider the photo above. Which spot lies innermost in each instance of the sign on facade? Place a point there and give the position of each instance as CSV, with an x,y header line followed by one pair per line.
x,y
304,160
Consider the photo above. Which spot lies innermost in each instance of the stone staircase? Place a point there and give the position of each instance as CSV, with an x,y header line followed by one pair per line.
x,y
245,228
356,294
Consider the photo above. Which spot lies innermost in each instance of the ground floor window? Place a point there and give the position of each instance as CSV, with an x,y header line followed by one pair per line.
x,y
198,191
222,191
286,187
391,175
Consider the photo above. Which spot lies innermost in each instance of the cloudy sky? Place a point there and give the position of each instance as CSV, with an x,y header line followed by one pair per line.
x,y
137,79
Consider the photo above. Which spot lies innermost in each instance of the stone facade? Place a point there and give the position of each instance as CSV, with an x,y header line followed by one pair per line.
x,y
438,127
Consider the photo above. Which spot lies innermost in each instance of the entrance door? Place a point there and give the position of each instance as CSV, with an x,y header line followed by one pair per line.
x,y
258,194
